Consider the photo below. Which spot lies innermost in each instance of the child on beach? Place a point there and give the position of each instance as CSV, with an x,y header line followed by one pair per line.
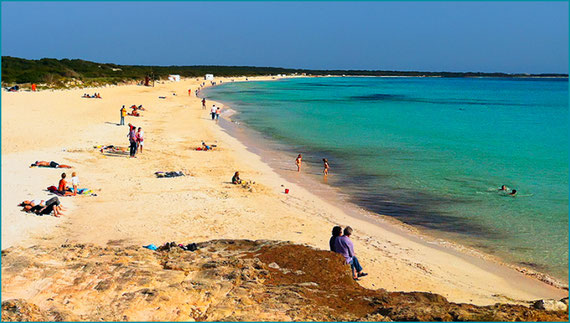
x,y
74,182
298,162
236,180
326,165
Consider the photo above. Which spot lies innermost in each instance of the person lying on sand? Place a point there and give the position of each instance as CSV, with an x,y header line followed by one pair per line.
x,y
52,205
344,246
51,164
33,205
236,180
206,147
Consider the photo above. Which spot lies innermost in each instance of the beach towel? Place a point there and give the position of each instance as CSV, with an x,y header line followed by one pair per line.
x,y
151,247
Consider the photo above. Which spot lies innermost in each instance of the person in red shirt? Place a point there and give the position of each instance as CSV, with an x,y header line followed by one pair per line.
x,y
62,187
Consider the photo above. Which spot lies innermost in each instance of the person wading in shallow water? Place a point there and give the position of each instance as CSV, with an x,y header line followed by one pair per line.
x,y
298,162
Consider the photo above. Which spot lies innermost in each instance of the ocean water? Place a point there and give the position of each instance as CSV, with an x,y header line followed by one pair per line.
x,y
432,152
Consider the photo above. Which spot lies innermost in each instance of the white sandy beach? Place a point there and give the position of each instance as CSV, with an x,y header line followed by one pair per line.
x,y
132,206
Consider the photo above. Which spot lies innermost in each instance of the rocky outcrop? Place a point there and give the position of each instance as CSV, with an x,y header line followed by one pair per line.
x,y
224,280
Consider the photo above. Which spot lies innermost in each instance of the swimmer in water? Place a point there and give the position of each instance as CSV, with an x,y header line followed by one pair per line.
x,y
513,193
503,188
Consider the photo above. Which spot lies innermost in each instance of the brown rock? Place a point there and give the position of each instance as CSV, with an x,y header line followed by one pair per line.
x,y
224,280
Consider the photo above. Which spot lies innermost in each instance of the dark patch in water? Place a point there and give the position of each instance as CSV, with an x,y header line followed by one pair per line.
x,y
331,84
379,97
418,209
403,98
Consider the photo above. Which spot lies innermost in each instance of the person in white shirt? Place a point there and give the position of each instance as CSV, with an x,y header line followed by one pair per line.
x,y
74,182
213,111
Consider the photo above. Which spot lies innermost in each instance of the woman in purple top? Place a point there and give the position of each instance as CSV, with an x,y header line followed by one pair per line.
x,y
344,246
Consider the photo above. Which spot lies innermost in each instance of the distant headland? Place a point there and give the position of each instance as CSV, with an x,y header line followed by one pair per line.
x,y
58,72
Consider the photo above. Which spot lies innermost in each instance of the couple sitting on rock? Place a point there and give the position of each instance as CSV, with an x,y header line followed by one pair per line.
x,y
340,242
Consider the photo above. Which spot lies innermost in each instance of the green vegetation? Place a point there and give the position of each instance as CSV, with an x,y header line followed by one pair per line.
x,y
76,72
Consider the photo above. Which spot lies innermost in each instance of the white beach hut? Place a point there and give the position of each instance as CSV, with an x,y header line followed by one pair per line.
x,y
209,77
174,78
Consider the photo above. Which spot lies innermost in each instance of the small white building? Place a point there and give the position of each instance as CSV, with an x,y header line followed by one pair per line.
x,y
209,77
174,78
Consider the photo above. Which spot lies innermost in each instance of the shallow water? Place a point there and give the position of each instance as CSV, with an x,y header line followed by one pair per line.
x,y
432,152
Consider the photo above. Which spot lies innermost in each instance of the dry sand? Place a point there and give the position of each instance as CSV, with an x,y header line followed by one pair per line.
x,y
134,207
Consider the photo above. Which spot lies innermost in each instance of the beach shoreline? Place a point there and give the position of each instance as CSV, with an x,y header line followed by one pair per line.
x,y
202,205
273,154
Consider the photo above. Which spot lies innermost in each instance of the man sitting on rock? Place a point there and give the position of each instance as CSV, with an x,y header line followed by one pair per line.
x,y
344,246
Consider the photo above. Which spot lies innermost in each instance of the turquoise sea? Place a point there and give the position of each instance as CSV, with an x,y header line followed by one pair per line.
x,y
432,152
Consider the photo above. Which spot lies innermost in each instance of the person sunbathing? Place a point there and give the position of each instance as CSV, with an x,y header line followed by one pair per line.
x,y
134,114
52,205
206,147
52,164
33,205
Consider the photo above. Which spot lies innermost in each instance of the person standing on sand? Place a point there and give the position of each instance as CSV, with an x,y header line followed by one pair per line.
x,y
213,111
203,101
133,141
74,182
123,115
218,110
326,165
140,139
336,232
344,246
298,162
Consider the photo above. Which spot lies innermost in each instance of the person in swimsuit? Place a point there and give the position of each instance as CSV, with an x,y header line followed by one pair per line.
x,y
326,166
140,139
504,188
298,162
513,193
52,164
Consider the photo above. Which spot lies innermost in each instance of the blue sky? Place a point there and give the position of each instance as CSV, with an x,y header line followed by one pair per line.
x,y
526,37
